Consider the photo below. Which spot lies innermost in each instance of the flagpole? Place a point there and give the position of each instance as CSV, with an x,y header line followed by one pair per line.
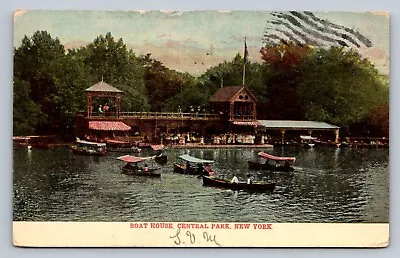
x,y
244,71
244,60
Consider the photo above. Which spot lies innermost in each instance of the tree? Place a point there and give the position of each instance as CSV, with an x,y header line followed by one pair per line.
x,y
32,63
26,113
339,87
379,119
164,86
284,61
111,61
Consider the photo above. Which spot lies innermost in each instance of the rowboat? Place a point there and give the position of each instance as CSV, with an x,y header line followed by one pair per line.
x,y
253,186
132,166
308,140
161,156
191,165
121,146
89,148
270,162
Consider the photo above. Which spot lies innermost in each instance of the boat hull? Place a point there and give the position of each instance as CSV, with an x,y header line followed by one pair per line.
x,y
181,169
123,149
162,159
265,166
150,173
85,152
255,186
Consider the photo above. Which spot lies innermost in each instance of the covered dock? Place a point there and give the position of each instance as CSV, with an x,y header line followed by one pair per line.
x,y
290,125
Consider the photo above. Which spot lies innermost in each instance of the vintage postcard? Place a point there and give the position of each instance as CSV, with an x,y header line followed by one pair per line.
x,y
200,129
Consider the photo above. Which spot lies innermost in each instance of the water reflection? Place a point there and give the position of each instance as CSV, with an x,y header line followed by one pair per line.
x,y
331,185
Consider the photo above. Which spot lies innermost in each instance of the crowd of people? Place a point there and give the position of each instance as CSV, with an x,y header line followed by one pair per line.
x,y
223,139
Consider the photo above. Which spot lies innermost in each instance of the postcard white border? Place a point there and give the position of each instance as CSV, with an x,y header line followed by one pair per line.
x,y
189,234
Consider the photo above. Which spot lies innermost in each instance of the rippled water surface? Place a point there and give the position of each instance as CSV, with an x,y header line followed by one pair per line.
x,y
330,185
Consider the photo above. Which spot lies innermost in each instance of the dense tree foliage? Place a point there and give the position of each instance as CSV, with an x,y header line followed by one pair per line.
x,y
27,114
333,85
284,61
33,64
111,61
339,87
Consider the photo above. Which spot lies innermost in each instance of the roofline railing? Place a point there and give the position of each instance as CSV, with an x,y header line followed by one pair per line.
x,y
152,115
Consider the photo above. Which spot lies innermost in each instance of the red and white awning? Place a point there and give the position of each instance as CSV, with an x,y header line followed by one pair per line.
x,y
108,126
269,156
158,147
134,159
247,123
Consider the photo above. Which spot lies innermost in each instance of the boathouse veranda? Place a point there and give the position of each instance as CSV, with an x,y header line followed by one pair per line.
x,y
232,110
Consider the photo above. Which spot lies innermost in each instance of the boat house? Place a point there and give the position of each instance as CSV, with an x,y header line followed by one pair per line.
x,y
233,109
236,105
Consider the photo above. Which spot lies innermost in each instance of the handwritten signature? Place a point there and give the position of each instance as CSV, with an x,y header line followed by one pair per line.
x,y
191,237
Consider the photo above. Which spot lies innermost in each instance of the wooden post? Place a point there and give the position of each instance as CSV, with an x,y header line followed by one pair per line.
x,y
336,135
254,111
231,110
89,105
283,136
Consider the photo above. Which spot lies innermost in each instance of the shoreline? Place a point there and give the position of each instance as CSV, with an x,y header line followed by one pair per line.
x,y
218,146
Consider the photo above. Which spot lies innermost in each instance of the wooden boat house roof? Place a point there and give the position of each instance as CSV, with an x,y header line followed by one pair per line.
x,y
103,87
228,94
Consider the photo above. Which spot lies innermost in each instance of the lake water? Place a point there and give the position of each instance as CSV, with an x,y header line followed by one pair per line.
x,y
330,185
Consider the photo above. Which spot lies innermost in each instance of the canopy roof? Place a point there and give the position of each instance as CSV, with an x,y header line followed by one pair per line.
x,y
296,125
108,126
134,159
82,142
103,87
194,160
268,156
158,147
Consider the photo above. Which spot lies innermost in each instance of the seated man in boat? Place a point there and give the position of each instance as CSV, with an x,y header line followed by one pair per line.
x,y
209,170
249,179
128,165
188,166
235,179
146,168
200,167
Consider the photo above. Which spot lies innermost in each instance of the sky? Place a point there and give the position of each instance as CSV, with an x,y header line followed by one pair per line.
x,y
193,41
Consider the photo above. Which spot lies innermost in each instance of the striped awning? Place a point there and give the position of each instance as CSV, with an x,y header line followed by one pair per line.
x,y
247,123
134,159
158,147
108,126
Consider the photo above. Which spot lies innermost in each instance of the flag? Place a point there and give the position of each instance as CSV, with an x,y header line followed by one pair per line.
x,y
307,28
246,54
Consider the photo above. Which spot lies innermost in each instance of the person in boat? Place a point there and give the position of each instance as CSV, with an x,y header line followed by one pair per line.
x,y
249,179
234,180
188,166
128,165
200,167
146,168
209,170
